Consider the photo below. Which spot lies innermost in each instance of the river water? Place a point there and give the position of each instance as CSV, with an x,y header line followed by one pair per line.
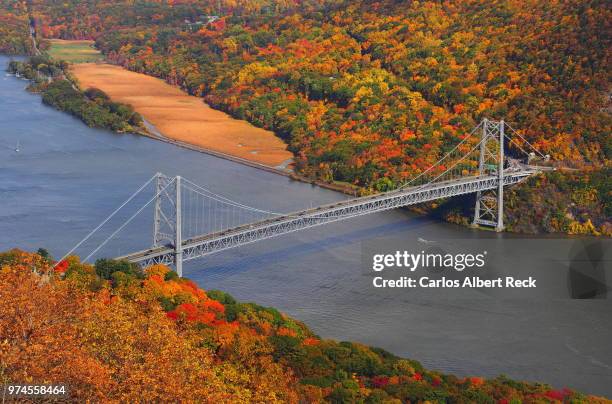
x,y
66,178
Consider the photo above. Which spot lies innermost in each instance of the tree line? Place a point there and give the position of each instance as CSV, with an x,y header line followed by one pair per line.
x,y
373,93
92,106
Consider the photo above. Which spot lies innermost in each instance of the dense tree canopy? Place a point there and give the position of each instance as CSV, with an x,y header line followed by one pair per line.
x,y
114,332
371,93
14,34
361,89
92,106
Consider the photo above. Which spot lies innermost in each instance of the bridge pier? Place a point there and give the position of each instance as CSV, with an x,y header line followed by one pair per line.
x,y
489,207
170,248
167,220
500,176
197,246
157,213
178,238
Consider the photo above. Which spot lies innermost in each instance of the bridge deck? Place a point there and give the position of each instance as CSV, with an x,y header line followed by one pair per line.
x,y
248,233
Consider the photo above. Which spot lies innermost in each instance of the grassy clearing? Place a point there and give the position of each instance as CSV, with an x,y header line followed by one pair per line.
x,y
74,51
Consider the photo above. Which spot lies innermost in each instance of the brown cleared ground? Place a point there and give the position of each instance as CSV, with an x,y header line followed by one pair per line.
x,y
183,117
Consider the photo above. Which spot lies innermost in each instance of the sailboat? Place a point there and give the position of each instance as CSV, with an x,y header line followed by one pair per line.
x,y
17,147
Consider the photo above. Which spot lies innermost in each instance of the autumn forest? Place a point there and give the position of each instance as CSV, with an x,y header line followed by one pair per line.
x,y
369,94
366,95
107,329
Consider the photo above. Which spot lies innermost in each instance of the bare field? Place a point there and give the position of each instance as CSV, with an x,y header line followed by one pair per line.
x,y
183,117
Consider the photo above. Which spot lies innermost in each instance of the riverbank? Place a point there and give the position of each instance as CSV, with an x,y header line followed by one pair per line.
x,y
149,129
186,121
68,177
47,77
182,117
189,123
153,133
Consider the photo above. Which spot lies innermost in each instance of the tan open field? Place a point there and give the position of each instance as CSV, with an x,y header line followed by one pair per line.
x,y
183,117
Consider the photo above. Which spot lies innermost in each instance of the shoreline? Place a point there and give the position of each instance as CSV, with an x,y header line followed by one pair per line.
x,y
280,166
430,360
183,117
173,116
153,133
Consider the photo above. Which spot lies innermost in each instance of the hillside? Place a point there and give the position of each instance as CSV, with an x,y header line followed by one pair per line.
x,y
373,92
14,28
108,330
346,78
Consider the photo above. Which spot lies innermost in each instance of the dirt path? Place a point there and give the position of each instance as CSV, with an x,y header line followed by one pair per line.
x,y
182,117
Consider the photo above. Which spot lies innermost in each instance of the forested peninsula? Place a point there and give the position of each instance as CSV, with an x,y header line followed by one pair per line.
x,y
370,94
51,79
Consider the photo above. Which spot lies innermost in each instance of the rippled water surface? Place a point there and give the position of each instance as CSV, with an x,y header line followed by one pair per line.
x,y
67,177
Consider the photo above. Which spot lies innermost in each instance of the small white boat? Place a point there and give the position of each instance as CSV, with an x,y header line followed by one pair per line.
x,y
17,148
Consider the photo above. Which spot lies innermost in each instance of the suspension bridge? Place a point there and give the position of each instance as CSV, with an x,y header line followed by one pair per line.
x,y
191,221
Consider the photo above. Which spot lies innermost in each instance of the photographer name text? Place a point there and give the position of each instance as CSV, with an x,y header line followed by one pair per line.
x,y
406,261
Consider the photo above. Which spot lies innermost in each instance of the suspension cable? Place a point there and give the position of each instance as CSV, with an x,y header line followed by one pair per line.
x,y
439,161
454,165
289,215
128,221
225,200
525,140
222,199
249,208
105,220
516,143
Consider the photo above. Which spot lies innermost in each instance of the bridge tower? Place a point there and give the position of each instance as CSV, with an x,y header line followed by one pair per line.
x,y
489,209
167,221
